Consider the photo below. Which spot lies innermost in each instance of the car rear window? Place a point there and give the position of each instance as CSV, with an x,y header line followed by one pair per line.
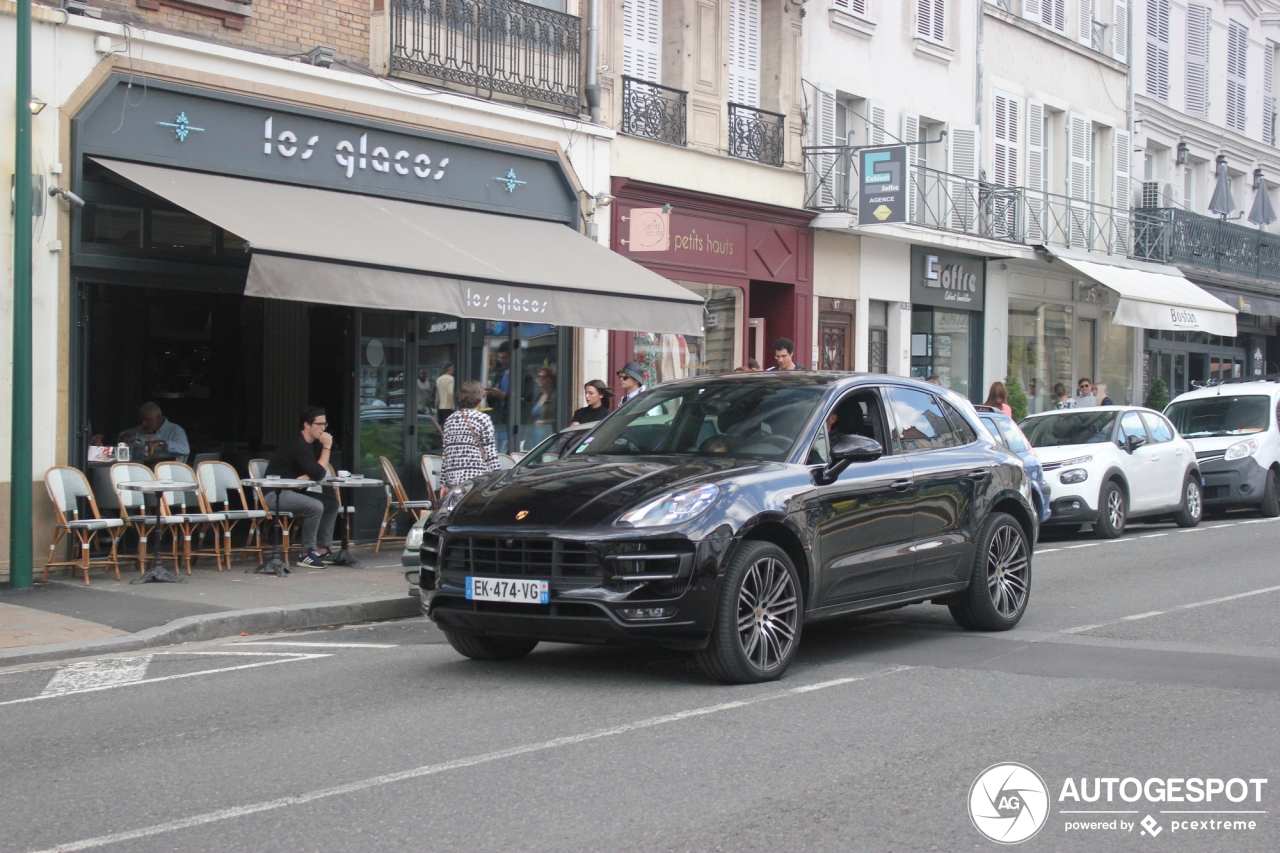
x,y
1069,427
1222,415
1013,436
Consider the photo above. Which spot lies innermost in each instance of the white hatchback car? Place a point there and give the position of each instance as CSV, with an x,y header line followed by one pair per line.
x,y
1107,464
1235,430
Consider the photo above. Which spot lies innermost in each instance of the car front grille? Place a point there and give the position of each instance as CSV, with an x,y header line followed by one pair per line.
x,y
1214,492
1210,455
1050,466
519,557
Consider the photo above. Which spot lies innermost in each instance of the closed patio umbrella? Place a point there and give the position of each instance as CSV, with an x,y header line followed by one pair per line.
x,y
1262,213
1222,203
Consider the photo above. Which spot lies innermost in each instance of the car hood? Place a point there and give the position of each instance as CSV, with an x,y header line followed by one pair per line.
x,y
1062,452
584,491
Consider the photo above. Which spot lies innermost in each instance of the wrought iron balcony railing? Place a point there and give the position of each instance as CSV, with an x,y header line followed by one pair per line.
x,y
1098,39
968,206
1170,235
653,111
756,134
494,46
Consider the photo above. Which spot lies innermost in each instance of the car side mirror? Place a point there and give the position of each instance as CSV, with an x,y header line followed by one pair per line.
x,y
850,449
1133,442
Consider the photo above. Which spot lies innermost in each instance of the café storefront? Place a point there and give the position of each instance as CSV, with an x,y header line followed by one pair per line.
x,y
238,259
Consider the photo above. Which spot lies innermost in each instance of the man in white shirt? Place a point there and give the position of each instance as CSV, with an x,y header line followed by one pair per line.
x,y
155,423
631,377
444,393
1085,398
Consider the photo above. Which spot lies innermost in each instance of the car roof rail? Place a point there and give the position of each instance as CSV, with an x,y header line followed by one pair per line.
x,y
983,407
1214,383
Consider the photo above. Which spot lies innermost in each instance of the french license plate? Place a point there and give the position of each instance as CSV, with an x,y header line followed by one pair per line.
x,y
504,589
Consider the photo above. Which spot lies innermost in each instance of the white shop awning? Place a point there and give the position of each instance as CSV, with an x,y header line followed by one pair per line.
x,y
1154,296
313,245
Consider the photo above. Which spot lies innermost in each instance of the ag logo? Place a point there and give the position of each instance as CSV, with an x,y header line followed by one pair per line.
x,y
522,514
1008,803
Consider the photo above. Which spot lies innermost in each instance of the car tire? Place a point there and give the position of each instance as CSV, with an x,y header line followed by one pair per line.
x,y
1192,509
1113,511
1000,582
1270,507
758,619
490,648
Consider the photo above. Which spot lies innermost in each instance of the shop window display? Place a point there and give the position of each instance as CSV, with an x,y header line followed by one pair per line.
x,y
666,357
1047,347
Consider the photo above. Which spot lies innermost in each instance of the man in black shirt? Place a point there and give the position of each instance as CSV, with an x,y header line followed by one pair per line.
x,y
303,456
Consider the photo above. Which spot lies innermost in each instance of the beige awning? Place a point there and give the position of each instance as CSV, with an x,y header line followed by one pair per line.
x,y
313,245
1153,296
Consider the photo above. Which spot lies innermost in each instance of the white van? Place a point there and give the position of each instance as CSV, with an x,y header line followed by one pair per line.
x,y
1235,429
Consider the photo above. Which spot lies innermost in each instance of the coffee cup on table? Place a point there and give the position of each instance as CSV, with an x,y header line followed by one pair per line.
x,y
342,475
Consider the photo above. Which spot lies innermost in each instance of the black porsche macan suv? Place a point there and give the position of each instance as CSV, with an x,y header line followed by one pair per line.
x,y
721,514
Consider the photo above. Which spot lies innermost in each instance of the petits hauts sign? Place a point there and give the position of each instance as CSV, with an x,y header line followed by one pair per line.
x,y
229,134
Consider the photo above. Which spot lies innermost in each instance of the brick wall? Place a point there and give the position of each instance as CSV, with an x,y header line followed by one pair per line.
x,y
279,27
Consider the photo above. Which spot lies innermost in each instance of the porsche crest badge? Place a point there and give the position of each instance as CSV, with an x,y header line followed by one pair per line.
x,y
520,516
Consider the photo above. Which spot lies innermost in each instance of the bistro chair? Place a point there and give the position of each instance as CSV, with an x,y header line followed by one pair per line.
x,y
258,471
219,485
67,487
506,461
432,467
133,508
397,502
347,511
204,457
192,512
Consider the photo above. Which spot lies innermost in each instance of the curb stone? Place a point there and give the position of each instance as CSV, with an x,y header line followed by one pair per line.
x,y
211,626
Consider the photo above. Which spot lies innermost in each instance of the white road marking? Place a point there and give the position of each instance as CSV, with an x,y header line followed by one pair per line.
x,y
1081,628
457,764
1153,535
317,645
282,657
1085,545
107,672
1047,550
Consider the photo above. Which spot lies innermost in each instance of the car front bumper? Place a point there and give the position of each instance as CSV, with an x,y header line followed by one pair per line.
x,y
1240,482
1071,505
587,610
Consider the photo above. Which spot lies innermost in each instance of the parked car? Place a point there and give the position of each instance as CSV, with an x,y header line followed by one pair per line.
x,y
722,514
1007,434
1110,464
1235,430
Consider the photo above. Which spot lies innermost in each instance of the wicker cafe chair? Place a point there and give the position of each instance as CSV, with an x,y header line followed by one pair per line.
x,y
219,488
192,512
66,486
258,471
506,461
133,508
397,502
347,511
432,467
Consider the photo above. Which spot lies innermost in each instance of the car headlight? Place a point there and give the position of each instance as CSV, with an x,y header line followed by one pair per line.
x,y
413,541
450,502
1075,475
1242,449
1079,460
672,508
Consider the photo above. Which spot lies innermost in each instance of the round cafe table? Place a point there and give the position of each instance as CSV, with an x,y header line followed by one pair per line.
x,y
151,491
276,485
343,557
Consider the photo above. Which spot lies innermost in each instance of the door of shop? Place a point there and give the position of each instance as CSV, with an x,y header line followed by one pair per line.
x,y
1185,359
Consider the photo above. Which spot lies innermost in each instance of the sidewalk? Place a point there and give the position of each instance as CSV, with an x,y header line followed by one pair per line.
x,y
65,618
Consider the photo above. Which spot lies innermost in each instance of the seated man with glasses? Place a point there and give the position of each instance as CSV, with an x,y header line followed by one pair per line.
x,y
303,456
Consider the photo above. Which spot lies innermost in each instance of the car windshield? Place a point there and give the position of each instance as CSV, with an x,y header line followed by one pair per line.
x,y
1223,415
1069,427
553,447
751,420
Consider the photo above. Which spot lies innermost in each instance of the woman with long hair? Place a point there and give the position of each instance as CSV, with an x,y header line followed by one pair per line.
x,y
998,398
599,399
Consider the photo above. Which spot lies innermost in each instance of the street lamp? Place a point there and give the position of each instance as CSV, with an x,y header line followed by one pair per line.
x,y
20,557
37,106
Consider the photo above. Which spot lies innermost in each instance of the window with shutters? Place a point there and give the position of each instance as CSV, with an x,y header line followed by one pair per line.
x,y
1084,22
1120,30
744,52
1053,14
853,7
931,20
1080,157
642,39
1199,25
1158,49
876,116
1268,94
1237,57
1037,173
911,132
962,188
1121,155
1005,160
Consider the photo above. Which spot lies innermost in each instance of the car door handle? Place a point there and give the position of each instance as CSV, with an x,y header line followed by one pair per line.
x,y
901,485
979,474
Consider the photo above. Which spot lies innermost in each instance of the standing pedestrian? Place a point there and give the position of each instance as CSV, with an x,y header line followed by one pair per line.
x,y
444,393
1085,398
631,377
469,449
599,396
783,353
1061,399
998,398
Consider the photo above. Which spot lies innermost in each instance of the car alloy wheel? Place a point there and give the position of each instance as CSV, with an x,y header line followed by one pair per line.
x,y
1115,509
767,614
1193,499
1007,566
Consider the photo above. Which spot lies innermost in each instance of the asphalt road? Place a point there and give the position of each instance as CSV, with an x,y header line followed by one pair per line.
x,y
1156,656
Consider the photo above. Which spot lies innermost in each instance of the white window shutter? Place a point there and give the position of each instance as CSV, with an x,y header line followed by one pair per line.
x,y
827,186
1006,132
744,52
1054,14
1031,10
940,21
1199,24
911,133
856,7
1268,93
642,39
1120,30
1035,225
876,113
1237,63
1121,155
962,161
931,20
1084,22
1158,49
1079,178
